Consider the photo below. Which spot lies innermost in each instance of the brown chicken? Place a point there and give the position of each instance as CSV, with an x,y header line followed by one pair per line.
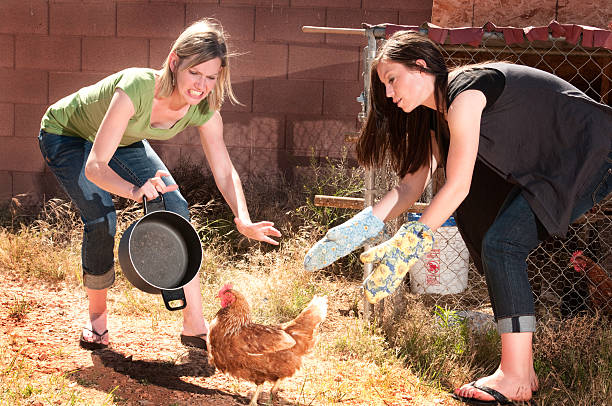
x,y
599,282
259,353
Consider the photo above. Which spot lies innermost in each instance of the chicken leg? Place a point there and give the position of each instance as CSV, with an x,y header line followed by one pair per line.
x,y
256,395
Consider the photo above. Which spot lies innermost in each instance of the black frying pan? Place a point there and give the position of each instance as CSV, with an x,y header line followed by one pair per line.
x,y
161,253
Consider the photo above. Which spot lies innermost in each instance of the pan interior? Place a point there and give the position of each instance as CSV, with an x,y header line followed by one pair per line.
x,y
159,254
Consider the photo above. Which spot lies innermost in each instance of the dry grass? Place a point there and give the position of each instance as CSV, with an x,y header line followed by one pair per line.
x,y
423,353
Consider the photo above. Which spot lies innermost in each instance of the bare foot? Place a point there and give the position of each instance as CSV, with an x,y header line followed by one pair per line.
x,y
95,329
511,387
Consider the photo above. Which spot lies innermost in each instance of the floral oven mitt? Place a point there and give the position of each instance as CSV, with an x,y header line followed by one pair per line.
x,y
395,258
341,240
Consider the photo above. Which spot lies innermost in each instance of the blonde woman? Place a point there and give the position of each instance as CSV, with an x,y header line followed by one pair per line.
x,y
95,142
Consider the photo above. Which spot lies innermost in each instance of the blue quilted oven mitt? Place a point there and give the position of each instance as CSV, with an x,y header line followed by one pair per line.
x,y
341,240
395,257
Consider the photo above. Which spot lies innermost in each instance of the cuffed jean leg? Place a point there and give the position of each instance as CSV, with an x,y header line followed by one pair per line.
x,y
66,157
505,248
509,241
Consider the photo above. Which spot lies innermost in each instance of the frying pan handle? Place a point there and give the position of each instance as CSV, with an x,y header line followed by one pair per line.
x,y
144,202
172,295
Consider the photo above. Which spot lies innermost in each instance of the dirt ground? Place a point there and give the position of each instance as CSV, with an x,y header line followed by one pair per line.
x,y
138,368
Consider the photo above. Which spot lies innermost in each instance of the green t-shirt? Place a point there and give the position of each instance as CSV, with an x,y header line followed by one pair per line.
x,y
80,114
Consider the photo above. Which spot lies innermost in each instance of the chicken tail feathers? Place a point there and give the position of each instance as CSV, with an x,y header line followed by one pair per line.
x,y
310,318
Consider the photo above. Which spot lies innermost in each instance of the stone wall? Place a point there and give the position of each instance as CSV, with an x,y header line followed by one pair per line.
x,y
521,13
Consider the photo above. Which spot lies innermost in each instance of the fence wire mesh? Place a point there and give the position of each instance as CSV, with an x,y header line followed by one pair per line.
x,y
569,276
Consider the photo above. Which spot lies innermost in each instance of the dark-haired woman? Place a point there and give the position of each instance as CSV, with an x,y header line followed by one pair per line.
x,y
529,128
95,142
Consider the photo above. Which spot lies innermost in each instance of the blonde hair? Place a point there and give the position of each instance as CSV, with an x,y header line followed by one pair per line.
x,y
202,41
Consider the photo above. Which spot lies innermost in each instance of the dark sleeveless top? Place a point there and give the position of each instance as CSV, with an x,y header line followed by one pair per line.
x,y
538,132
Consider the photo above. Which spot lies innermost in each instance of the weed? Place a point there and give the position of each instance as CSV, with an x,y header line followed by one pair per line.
x,y
19,309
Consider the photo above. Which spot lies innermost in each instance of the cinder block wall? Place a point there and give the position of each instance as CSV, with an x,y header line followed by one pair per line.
x,y
298,89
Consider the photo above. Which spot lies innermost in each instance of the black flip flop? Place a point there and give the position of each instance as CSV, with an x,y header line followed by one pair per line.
x,y
96,344
500,399
197,341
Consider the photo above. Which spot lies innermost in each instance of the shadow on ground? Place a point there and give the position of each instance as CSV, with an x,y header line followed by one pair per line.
x,y
149,372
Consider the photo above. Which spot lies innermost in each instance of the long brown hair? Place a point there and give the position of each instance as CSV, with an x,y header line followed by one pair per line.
x,y
405,137
200,42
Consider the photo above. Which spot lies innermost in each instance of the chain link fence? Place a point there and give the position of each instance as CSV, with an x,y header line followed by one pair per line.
x,y
569,276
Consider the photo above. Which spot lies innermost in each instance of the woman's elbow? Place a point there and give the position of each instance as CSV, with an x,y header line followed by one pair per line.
x,y
92,169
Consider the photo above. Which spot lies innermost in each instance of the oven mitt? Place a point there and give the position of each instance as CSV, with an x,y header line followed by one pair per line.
x,y
395,258
341,240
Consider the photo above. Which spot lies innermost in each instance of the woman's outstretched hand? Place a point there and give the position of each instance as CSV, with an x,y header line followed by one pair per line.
x,y
153,187
394,258
341,240
258,231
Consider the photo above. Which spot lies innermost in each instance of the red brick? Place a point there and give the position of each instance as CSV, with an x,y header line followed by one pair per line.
x,y
256,59
169,154
266,162
241,158
31,184
288,96
416,17
7,118
254,130
268,131
49,53
158,51
243,89
52,188
7,50
152,20
21,154
190,136
62,84
24,17
326,3
353,18
325,136
238,22
237,129
324,62
27,119
285,24
266,3
340,97
23,86
76,18
397,4
6,186
113,54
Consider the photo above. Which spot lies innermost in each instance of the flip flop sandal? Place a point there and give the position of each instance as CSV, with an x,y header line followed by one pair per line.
x,y
197,341
96,344
500,399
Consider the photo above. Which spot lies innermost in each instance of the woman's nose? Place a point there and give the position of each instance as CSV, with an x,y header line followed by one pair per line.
x,y
389,90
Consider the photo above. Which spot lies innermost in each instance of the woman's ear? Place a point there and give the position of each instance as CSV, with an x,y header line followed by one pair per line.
x,y
421,63
173,61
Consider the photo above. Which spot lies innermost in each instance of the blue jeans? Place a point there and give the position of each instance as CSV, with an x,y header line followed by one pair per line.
x,y
66,157
508,242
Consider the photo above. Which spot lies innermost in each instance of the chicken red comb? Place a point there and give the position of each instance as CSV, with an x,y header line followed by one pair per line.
x,y
575,255
578,265
225,288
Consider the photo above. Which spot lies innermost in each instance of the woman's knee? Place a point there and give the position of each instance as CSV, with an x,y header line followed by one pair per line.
x,y
176,203
98,244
